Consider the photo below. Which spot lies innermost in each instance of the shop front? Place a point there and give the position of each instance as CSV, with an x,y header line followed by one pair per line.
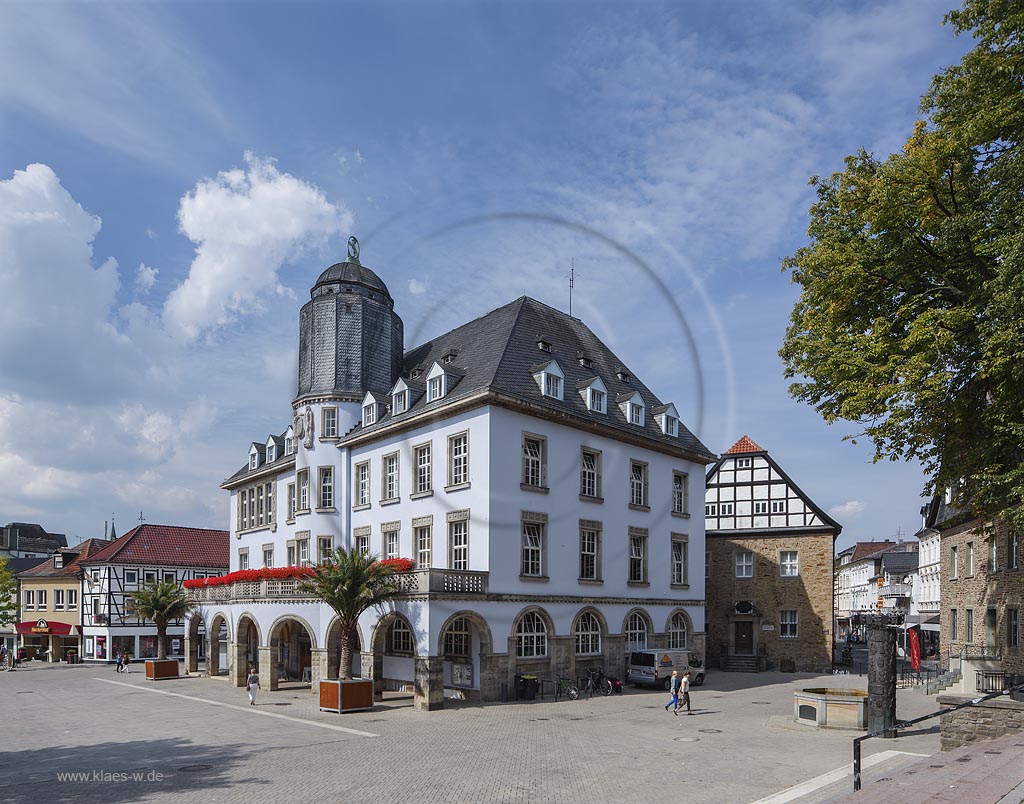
x,y
47,641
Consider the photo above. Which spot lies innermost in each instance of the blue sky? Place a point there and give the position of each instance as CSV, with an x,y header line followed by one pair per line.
x,y
173,177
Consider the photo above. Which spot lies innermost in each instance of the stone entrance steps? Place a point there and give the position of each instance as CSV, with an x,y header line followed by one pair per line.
x,y
943,682
740,664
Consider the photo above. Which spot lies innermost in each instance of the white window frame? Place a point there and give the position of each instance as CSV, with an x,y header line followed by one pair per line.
x,y
424,545
636,414
674,642
325,488
680,560
329,422
779,506
710,509
29,600
743,563
638,480
401,639
597,400
590,477
302,481
552,385
72,599
390,477
369,414
243,558
435,388
743,463
636,632
458,545
531,636
637,558
268,550
392,542
362,481
789,563
587,633
399,402
534,461
680,492
760,507
590,552
532,552
423,459
291,502
458,459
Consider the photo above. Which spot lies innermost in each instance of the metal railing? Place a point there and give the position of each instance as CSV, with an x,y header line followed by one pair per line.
x,y
902,724
895,590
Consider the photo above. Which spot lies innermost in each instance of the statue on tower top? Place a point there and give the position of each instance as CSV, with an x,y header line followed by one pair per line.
x,y
353,250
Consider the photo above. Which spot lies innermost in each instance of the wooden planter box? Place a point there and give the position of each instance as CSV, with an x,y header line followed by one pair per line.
x,y
157,669
351,695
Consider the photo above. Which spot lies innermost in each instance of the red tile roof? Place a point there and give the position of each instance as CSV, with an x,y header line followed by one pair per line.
x,y
167,545
865,549
744,446
73,557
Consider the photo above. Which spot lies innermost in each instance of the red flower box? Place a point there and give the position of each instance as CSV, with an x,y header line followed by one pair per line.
x,y
281,573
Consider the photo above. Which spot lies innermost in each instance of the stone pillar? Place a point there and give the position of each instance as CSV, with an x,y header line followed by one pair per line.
x,y
268,668
240,666
191,654
429,691
882,679
371,665
562,650
212,658
320,670
615,656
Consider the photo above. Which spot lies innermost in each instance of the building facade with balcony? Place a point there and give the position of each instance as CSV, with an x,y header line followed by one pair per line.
x,y
541,488
857,569
769,566
144,554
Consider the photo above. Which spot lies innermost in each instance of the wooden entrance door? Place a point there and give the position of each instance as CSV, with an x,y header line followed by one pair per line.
x,y
744,638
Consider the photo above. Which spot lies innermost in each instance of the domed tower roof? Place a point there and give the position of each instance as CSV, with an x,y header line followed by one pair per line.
x,y
350,273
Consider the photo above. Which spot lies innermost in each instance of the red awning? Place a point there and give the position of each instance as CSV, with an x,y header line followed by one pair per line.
x,y
43,627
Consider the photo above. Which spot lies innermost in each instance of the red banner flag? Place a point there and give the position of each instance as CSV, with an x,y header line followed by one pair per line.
x,y
915,649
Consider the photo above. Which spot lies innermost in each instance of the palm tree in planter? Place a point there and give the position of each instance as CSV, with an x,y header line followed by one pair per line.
x,y
350,582
162,602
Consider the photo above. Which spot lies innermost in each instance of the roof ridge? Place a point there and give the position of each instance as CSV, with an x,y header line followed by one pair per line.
x,y
521,301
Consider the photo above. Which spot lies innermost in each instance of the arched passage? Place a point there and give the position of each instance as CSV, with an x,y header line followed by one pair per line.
x,y
291,649
247,649
217,640
334,651
465,646
393,646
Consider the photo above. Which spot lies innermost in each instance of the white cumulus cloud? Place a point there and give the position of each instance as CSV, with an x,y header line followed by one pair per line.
x,y
848,509
145,277
416,288
246,223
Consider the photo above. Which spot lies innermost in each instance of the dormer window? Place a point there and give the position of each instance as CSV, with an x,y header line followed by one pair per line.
x,y
632,406
636,414
399,402
369,414
271,452
449,356
594,394
254,460
435,388
671,426
289,445
667,418
549,379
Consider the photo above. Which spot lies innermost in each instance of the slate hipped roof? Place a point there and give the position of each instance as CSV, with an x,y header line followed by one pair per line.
x,y
499,352
73,557
862,550
171,545
31,537
898,562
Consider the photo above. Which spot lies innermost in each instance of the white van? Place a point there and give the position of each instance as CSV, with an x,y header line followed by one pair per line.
x,y
654,667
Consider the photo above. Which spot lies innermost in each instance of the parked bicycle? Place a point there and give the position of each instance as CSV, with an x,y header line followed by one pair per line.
x,y
568,688
597,682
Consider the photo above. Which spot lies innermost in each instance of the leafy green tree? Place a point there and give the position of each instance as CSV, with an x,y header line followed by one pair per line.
x,y
350,582
8,594
162,602
910,320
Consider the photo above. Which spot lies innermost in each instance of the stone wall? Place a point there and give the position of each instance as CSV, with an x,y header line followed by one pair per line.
x,y
810,593
981,590
986,720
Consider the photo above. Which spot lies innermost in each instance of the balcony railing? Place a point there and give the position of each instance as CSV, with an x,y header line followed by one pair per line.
x,y
416,582
896,590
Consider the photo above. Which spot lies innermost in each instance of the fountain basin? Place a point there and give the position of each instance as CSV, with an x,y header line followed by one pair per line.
x,y
831,708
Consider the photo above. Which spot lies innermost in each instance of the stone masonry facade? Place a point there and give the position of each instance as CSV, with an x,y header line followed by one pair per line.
x,y
809,593
983,604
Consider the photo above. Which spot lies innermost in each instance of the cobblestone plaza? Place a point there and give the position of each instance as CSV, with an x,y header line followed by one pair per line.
x,y
196,739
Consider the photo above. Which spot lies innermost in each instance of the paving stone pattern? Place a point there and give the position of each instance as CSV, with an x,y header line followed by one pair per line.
x,y
218,749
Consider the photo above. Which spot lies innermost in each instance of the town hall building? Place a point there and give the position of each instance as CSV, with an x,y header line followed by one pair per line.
x,y
542,489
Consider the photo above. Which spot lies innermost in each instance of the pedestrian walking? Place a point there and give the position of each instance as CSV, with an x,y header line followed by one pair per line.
x,y
674,689
118,658
253,684
126,660
683,699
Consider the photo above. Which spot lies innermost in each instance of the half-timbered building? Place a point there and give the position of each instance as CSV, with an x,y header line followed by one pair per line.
x,y
768,565
144,554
